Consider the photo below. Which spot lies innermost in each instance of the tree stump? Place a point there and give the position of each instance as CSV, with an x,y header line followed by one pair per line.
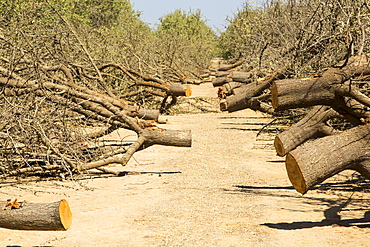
x,y
54,216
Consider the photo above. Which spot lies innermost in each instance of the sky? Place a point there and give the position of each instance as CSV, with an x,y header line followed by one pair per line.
x,y
214,12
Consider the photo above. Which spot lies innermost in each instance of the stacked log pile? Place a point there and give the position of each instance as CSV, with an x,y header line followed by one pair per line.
x,y
314,149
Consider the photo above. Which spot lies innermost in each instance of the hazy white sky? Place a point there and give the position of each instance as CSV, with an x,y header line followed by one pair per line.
x,y
214,12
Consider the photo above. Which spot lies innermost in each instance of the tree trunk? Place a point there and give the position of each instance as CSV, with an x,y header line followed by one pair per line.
x,y
246,96
225,67
219,81
147,138
318,160
241,76
55,216
176,138
311,126
229,87
329,89
233,76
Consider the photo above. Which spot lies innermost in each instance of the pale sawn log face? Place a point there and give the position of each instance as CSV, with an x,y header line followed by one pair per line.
x,y
295,175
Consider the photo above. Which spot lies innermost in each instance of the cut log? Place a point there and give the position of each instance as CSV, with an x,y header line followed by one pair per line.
x,y
225,67
176,138
233,103
55,216
219,81
241,76
246,96
229,87
329,89
147,138
311,126
233,76
300,93
314,162
176,89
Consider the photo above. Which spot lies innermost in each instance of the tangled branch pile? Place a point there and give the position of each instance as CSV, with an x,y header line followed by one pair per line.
x,y
58,102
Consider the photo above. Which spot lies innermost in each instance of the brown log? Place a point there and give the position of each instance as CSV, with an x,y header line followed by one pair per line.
x,y
147,138
297,93
233,76
314,162
229,87
233,103
311,126
241,76
176,89
219,81
246,96
224,67
177,138
329,89
54,216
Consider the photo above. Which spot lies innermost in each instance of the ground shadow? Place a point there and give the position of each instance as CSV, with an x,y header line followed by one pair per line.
x,y
334,206
332,218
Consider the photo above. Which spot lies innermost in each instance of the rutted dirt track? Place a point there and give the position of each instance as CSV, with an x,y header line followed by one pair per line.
x,y
229,189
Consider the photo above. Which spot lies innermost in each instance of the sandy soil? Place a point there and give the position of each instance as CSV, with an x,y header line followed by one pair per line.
x,y
229,189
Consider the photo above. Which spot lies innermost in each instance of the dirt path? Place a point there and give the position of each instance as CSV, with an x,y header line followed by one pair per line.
x,y
229,189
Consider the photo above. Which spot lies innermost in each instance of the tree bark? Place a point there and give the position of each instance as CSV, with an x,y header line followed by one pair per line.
x,y
314,162
233,76
311,126
219,81
177,138
147,138
329,89
246,96
225,67
55,216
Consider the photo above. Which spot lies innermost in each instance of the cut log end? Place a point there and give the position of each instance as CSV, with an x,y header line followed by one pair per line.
x,y
188,92
295,175
223,105
65,214
279,147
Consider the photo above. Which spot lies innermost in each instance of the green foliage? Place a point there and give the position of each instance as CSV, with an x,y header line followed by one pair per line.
x,y
186,40
301,35
189,26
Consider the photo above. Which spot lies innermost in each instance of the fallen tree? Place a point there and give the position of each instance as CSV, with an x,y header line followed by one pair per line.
x,y
318,160
58,113
334,94
313,125
330,89
240,96
92,105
